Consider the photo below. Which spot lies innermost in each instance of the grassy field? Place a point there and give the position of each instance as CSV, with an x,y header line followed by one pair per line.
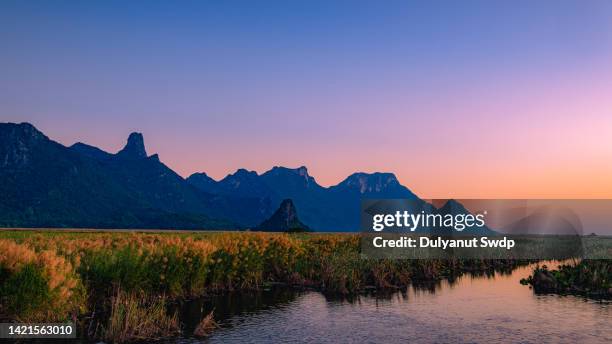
x,y
117,286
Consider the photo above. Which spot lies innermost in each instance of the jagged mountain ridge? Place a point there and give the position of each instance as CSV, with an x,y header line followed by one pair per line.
x,y
334,208
46,184
50,185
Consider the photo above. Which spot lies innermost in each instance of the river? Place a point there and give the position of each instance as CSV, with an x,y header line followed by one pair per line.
x,y
475,309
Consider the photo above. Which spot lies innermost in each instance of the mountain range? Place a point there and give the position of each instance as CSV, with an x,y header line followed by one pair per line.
x,y
46,184
335,208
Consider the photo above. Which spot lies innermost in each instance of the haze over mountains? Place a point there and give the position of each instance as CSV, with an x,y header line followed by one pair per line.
x,y
46,184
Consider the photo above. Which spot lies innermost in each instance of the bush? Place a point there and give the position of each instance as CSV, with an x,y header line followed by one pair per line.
x,y
25,292
37,286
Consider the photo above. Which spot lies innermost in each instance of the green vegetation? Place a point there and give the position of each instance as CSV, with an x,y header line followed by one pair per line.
x,y
37,285
591,278
139,316
117,285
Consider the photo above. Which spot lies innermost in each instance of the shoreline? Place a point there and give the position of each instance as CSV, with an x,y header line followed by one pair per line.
x,y
94,277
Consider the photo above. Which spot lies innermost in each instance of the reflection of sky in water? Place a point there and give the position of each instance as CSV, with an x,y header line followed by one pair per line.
x,y
473,309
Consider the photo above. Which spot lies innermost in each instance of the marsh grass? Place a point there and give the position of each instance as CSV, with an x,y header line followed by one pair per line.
x,y
37,286
136,316
588,277
59,275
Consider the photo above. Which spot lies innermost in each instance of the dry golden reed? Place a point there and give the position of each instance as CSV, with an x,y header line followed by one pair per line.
x,y
57,295
206,326
92,266
139,317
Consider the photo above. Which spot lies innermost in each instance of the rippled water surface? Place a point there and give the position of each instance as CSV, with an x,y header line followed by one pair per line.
x,y
480,309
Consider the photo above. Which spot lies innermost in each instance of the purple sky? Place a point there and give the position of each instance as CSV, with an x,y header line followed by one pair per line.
x,y
460,99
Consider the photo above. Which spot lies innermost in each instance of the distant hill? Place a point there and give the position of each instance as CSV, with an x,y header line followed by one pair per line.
x,y
285,219
331,209
452,207
46,184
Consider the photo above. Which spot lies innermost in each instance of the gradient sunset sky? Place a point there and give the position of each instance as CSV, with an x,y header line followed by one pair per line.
x,y
462,99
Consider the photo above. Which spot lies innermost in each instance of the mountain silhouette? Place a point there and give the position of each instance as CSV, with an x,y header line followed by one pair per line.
x,y
242,183
380,185
452,207
203,182
46,184
349,193
335,208
285,219
134,148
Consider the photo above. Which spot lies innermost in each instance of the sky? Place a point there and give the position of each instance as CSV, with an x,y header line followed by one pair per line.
x,y
460,99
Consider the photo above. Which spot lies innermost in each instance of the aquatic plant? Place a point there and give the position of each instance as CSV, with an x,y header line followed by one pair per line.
x,y
206,326
588,277
138,316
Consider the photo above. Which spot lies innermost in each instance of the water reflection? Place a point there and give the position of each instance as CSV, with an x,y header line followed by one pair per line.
x,y
237,303
491,307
